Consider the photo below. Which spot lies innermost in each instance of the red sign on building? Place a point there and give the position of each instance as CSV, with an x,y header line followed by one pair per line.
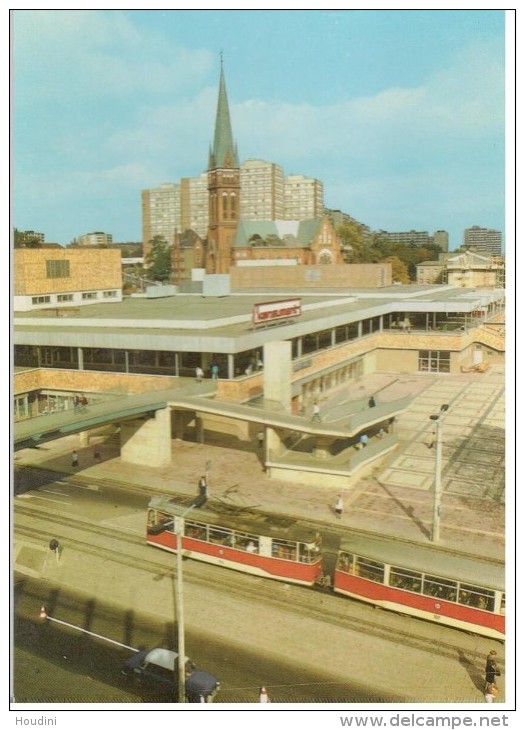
x,y
272,311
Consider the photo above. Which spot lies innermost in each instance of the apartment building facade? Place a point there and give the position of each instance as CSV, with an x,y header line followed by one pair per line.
x,y
262,190
97,238
161,214
303,198
483,240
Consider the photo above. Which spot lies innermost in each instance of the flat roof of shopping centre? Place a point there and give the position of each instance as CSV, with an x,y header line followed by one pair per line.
x,y
197,317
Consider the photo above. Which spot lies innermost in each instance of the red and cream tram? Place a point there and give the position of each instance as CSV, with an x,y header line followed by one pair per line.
x,y
262,545
448,588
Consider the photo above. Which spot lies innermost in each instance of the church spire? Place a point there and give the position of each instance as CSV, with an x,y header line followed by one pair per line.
x,y
224,152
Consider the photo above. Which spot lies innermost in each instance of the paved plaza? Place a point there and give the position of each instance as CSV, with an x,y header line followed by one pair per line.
x,y
394,496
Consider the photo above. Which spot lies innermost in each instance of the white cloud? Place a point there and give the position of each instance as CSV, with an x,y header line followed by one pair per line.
x,y
96,53
462,104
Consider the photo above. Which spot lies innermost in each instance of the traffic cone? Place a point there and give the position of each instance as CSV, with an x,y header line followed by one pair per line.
x,y
43,612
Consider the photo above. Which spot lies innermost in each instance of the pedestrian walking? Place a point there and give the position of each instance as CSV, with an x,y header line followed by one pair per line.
x,y
491,692
74,459
96,453
54,546
199,374
316,412
203,486
371,402
263,695
260,438
491,669
338,507
214,371
363,440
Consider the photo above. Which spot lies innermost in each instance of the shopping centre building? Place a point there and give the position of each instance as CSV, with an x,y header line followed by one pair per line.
x,y
267,356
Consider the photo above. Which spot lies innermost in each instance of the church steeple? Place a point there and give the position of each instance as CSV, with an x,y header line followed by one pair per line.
x,y
224,190
224,151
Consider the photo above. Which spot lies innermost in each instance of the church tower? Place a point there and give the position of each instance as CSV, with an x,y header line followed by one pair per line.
x,y
224,188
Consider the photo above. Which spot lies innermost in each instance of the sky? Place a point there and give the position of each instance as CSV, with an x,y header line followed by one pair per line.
x,y
401,114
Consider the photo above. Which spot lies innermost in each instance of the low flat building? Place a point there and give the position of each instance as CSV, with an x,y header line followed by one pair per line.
x,y
58,278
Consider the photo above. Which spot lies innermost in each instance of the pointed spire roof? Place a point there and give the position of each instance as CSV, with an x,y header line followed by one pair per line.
x,y
224,151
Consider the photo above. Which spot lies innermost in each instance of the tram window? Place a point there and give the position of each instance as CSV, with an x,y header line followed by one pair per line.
x,y
285,549
309,552
446,590
197,530
370,569
476,597
245,541
408,580
345,562
160,518
220,535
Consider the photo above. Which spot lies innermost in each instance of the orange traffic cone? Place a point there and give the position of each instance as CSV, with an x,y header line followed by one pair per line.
x,y
43,612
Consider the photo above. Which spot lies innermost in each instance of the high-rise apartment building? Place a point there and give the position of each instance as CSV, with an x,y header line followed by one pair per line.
x,y
303,198
161,214
262,190
441,240
484,240
194,204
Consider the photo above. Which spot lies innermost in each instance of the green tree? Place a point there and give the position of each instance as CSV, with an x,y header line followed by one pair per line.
x,y
399,269
158,260
353,242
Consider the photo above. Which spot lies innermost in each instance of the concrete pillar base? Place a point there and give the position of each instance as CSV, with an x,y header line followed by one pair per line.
x,y
321,448
147,441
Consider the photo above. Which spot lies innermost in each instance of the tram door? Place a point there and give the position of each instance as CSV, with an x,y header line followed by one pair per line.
x,y
265,546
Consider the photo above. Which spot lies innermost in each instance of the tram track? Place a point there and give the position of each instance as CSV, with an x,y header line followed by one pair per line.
x,y
219,502
129,551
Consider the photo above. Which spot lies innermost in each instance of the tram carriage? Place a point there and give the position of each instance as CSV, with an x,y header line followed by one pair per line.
x,y
459,591
261,545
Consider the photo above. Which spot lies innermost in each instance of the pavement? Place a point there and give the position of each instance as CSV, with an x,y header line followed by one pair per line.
x,y
394,497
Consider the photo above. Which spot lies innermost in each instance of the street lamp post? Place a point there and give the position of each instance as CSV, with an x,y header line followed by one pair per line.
x,y
438,418
180,609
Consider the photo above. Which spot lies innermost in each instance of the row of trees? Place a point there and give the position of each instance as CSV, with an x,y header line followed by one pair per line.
x,y
371,248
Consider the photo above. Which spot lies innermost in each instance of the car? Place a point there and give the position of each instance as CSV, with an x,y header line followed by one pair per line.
x,y
156,670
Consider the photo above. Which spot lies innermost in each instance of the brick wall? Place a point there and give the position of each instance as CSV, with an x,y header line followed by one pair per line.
x,y
89,269
312,277
89,381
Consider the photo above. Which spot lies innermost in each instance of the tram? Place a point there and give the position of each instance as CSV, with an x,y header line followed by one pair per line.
x,y
264,545
460,591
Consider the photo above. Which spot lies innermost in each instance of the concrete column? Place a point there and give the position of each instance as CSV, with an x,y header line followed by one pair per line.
x,y
273,443
80,353
277,374
83,438
199,429
147,441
